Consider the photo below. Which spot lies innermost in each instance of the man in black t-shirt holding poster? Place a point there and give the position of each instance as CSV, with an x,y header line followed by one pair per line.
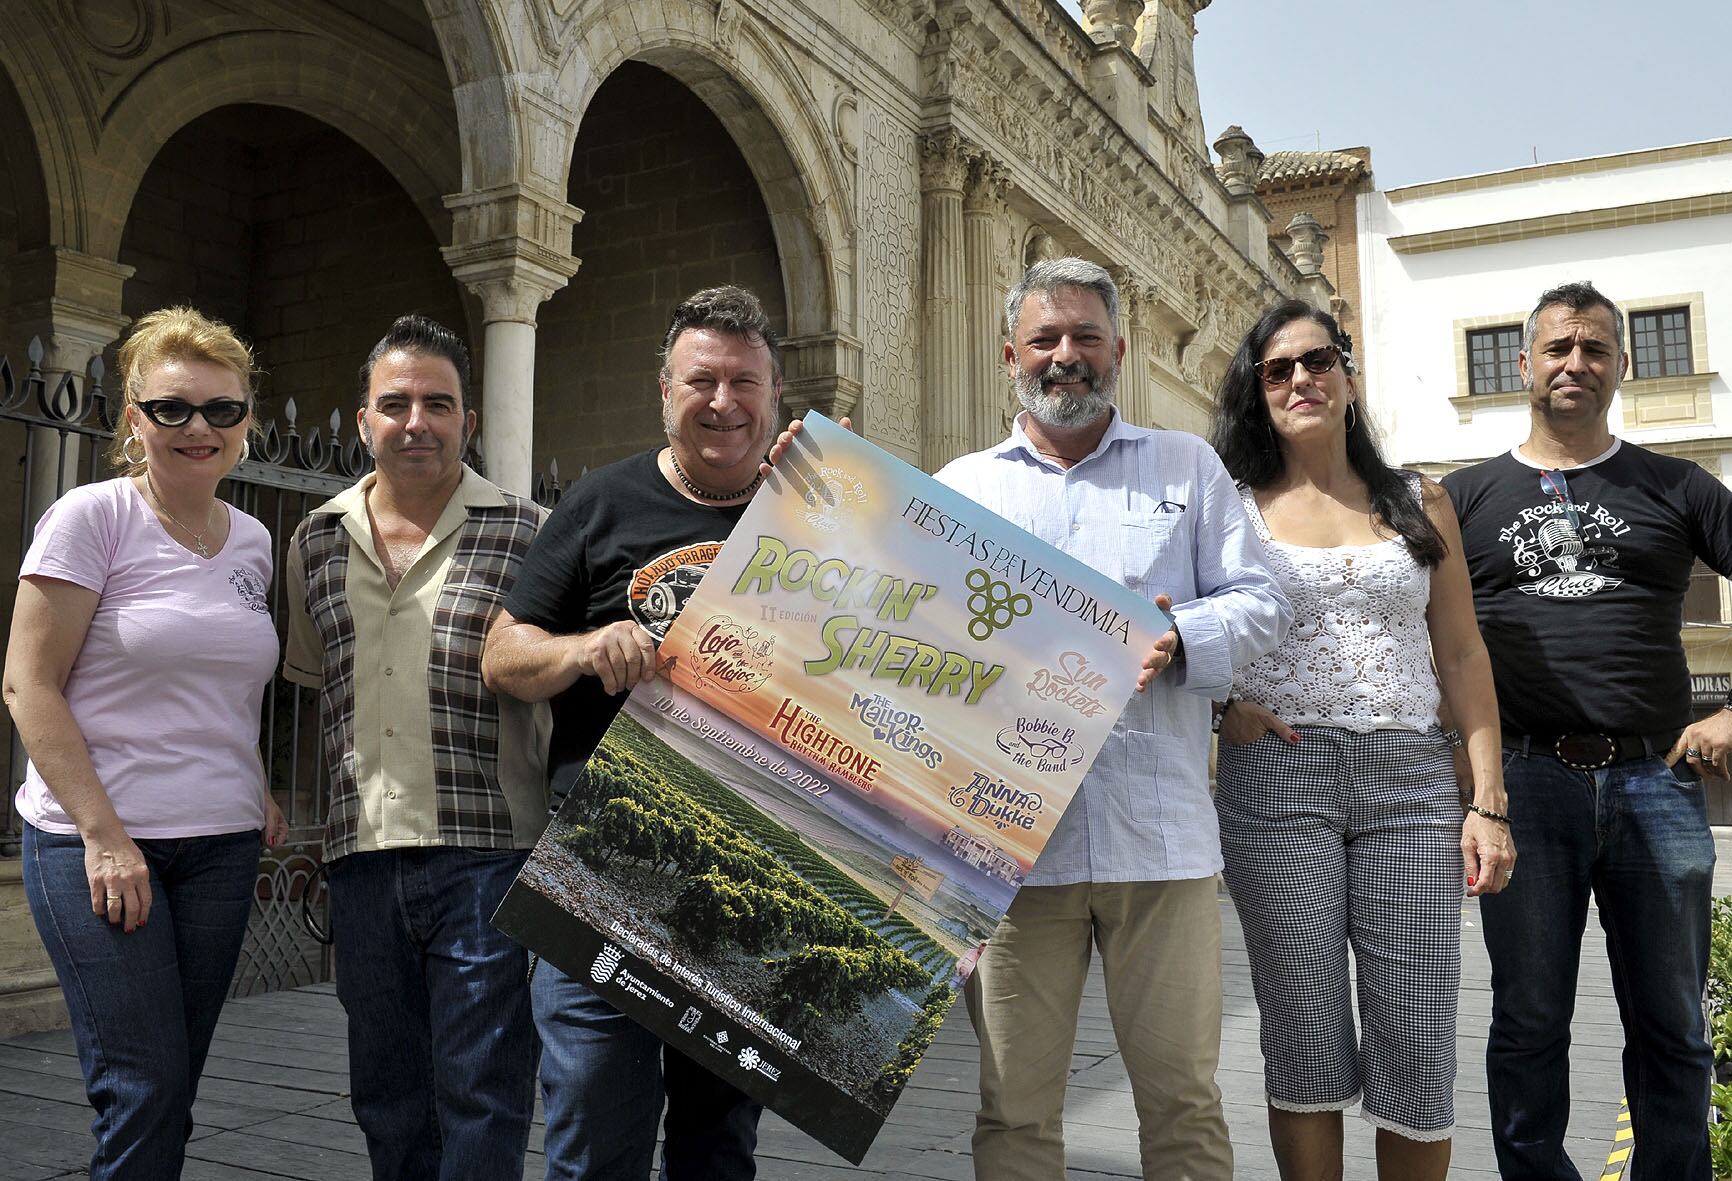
x,y
1580,548
598,590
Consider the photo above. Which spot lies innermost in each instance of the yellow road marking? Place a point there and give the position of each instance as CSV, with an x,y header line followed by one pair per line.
x,y
1623,1143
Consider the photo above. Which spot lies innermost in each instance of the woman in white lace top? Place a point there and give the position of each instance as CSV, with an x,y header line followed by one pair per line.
x,y
1341,824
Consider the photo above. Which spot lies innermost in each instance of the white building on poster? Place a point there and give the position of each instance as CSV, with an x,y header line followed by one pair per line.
x,y
983,855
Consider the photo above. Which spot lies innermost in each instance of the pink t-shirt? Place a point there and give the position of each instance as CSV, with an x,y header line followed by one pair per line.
x,y
169,685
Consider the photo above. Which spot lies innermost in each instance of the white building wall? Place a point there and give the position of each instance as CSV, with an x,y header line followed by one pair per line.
x,y
1413,302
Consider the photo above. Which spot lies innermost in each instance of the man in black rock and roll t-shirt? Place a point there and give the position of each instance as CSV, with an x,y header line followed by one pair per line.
x,y
606,576
1580,547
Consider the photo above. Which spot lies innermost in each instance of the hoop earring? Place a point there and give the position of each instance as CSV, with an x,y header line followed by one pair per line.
x,y
246,449
126,451
1352,418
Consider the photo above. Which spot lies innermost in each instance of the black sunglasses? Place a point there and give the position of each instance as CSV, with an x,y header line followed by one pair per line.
x,y
172,412
1317,362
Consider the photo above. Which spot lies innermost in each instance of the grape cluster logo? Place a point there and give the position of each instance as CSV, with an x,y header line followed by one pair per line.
x,y
992,607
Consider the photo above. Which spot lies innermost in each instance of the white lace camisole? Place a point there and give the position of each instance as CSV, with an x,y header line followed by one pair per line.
x,y
1358,655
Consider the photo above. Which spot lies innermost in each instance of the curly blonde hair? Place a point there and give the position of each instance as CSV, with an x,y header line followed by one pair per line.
x,y
175,334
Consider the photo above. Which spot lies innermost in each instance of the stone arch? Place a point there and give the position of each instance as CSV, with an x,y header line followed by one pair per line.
x,y
759,96
234,216
671,206
485,47
408,128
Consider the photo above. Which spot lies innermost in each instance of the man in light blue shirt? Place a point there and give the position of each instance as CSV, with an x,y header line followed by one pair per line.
x,y
1131,866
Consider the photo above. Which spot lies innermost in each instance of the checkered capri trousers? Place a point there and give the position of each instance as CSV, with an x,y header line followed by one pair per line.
x,y
1350,839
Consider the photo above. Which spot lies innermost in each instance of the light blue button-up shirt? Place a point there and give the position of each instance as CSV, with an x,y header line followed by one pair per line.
x,y
1156,511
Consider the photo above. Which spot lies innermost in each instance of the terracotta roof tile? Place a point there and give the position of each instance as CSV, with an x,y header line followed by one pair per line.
x,y
1284,166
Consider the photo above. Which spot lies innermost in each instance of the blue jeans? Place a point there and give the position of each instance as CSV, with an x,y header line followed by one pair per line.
x,y
441,1042
602,1085
143,1006
1636,834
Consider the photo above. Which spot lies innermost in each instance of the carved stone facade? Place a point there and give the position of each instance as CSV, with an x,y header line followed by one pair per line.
x,y
1052,134
880,170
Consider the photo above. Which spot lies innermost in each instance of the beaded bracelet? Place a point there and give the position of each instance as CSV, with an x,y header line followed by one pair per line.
x,y
1500,817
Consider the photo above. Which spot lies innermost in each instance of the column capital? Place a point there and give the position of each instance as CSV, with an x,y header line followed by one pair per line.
x,y
1135,295
511,246
987,183
944,161
71,300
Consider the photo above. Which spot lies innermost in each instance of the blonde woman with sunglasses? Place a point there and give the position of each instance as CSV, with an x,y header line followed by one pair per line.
x,y
1341,826
141,646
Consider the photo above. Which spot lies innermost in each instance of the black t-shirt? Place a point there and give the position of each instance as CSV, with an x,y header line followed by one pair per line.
x,y
621,544
1582,619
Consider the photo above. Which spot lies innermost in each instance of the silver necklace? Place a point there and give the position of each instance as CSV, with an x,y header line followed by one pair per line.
x,y
701,493
197,535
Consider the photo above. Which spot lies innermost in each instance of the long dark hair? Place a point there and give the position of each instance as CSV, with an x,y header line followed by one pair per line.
x,y
1245,439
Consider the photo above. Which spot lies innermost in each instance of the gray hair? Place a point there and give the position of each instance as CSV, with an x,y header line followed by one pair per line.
x,y
1050,274
1578,297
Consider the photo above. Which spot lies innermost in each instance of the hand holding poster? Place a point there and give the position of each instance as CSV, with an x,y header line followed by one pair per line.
x,y
785,854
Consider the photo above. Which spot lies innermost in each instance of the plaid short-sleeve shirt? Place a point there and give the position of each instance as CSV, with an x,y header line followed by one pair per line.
x,y
419,751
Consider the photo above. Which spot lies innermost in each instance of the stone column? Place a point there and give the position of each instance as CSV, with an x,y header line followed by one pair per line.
x,y
982,219
71,301
512,248
947,421
1136,394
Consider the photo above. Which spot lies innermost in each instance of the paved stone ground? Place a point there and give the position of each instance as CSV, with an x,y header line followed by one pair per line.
x,y
274,1099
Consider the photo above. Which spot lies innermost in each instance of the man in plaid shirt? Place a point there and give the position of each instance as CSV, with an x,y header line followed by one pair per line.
x,y
438,786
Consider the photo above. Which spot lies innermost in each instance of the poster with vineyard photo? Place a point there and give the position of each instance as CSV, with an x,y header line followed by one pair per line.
x,y
787,850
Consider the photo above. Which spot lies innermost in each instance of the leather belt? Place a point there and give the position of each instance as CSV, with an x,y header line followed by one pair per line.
x,y
1592,751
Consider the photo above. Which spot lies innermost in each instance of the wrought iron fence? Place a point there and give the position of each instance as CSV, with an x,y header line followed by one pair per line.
x,y
59,423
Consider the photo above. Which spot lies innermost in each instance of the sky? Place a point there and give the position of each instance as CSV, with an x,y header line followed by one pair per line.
x,y
1441,89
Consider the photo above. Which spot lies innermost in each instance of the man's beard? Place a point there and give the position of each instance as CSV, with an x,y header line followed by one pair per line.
x,y
1066,411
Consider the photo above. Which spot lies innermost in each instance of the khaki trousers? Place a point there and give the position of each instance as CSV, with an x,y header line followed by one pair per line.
x,y
1160,945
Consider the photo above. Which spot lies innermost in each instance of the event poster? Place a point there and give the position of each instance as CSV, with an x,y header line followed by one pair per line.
x,y
789,847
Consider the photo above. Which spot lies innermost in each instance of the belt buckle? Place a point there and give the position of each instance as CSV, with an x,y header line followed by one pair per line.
x,y
1575,751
